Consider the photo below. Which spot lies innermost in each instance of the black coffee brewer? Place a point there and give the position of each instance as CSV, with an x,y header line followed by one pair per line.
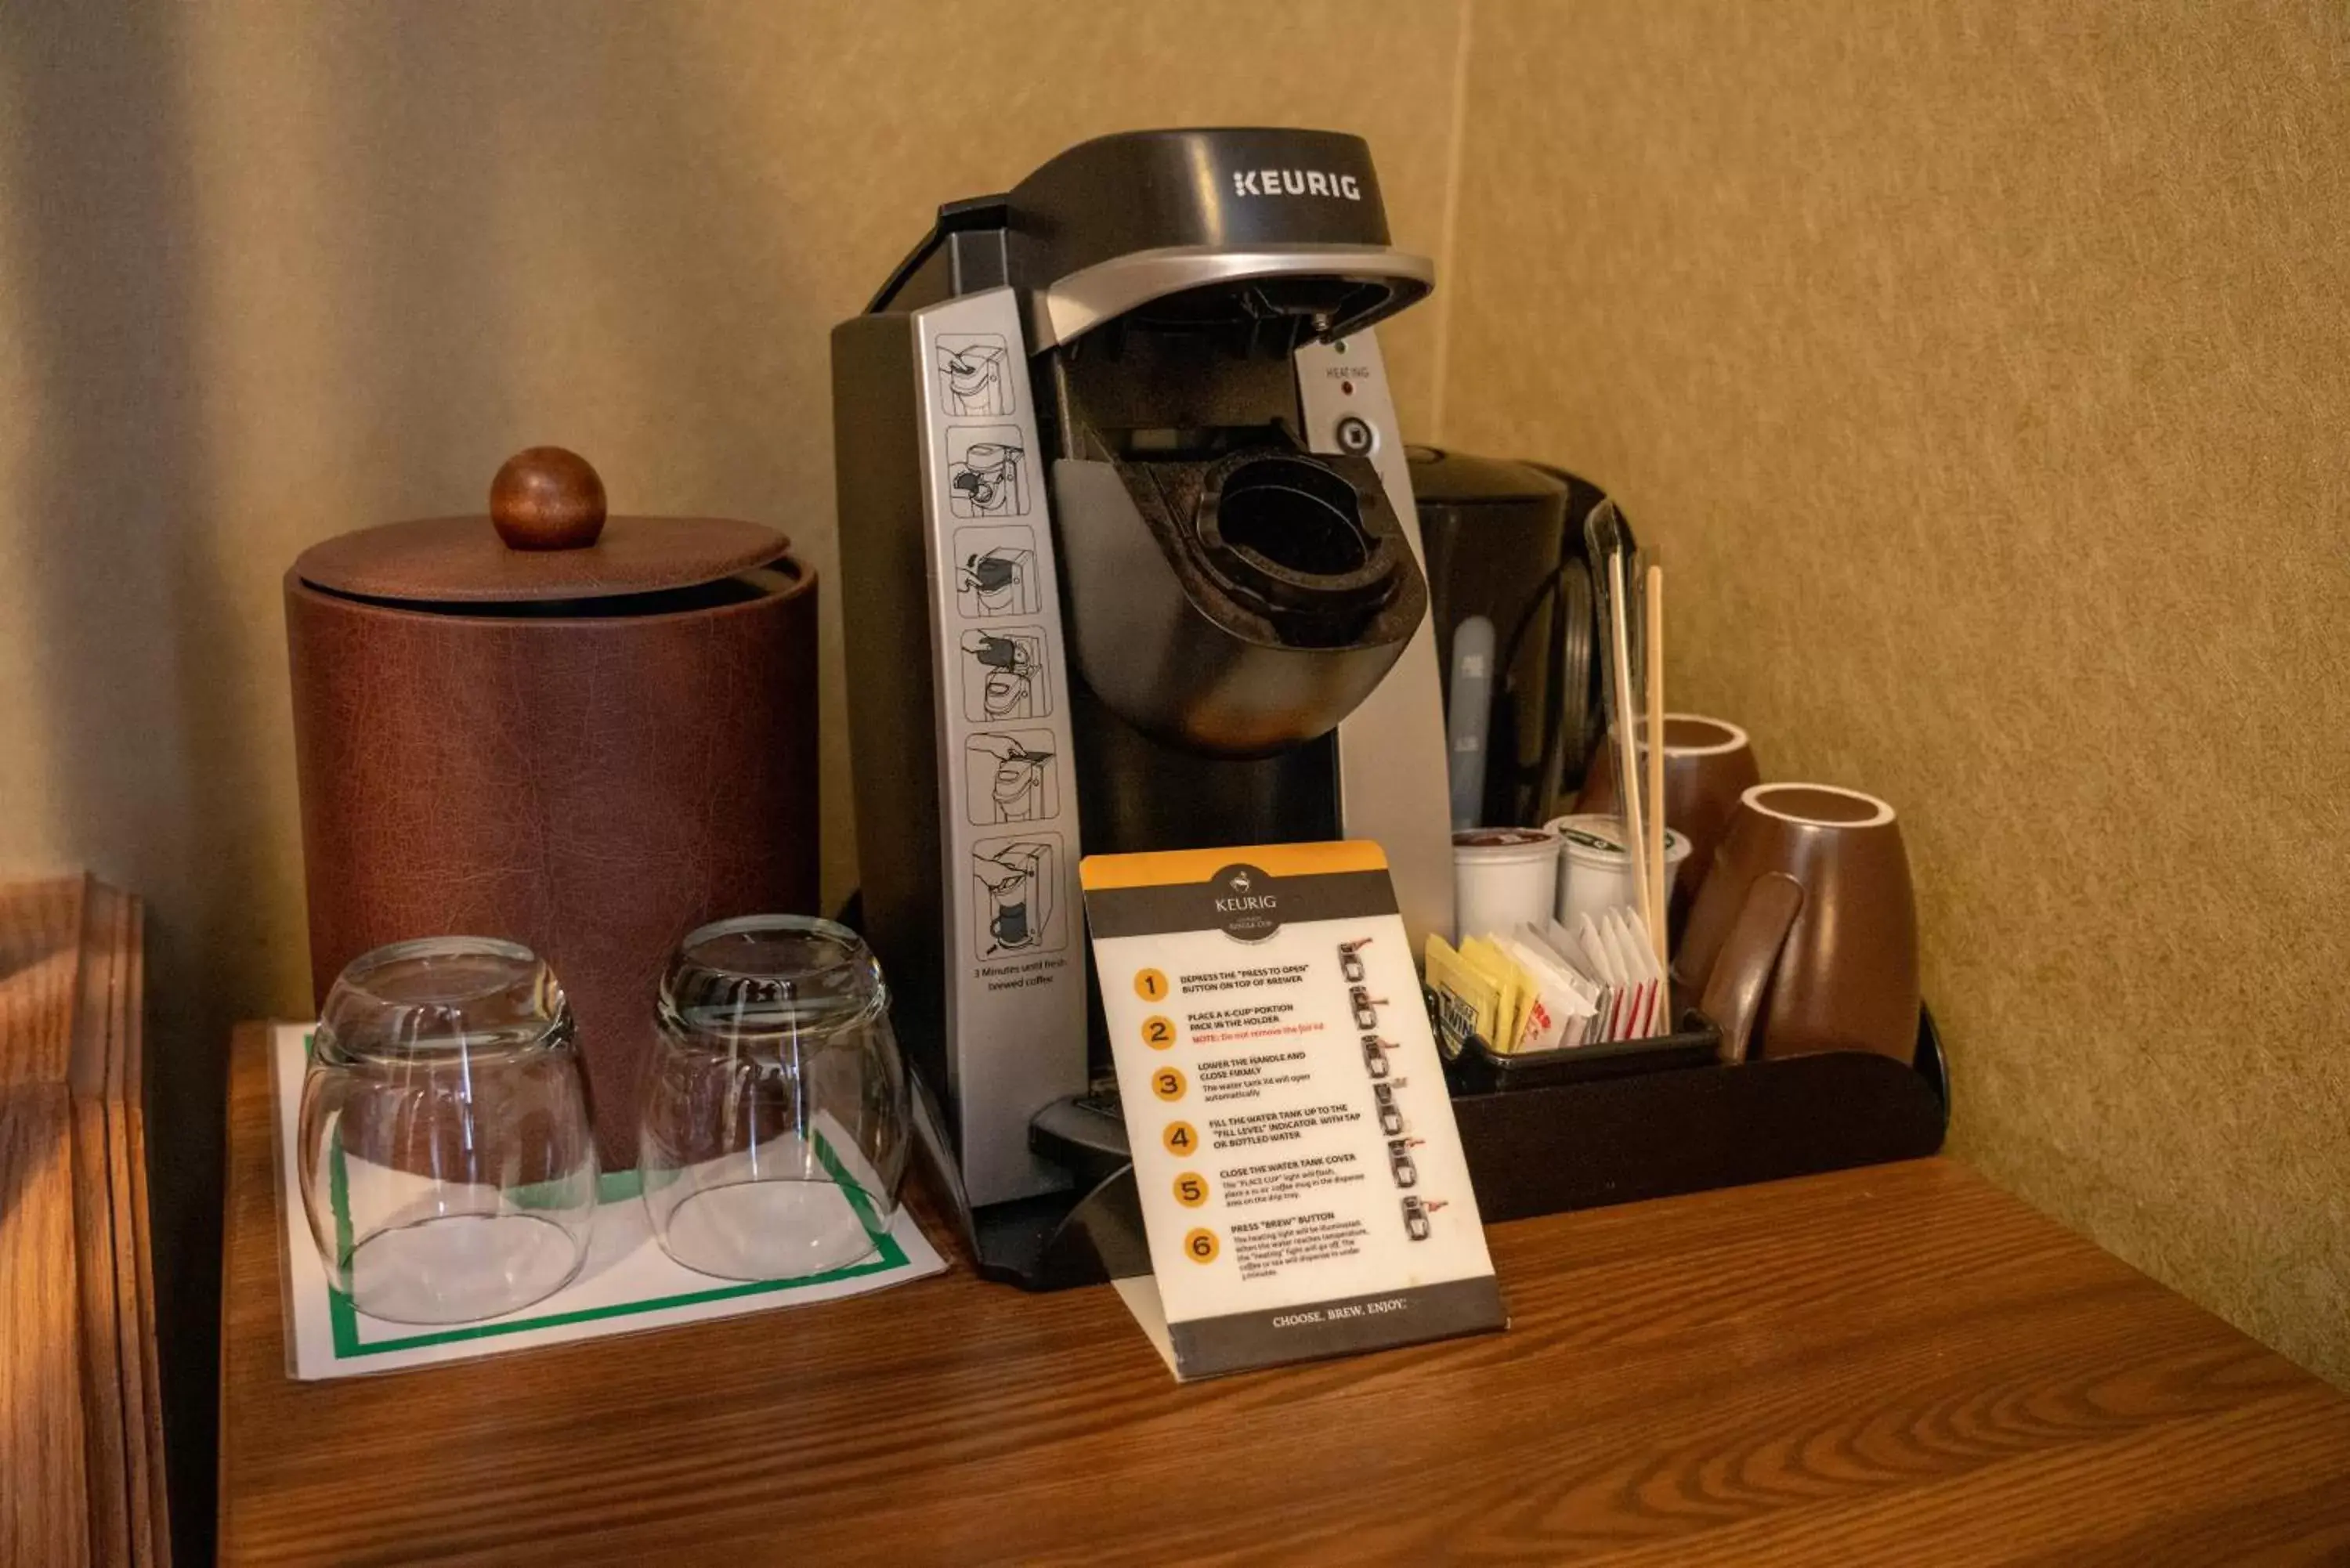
x,y
1517,630
1147,376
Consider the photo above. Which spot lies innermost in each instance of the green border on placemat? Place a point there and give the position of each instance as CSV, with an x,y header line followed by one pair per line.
x,y
614,1187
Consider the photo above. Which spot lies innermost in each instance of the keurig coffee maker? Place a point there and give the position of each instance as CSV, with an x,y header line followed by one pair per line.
x,y
1122,498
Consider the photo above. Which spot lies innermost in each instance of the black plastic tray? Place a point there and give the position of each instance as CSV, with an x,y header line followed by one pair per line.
x,y
1481,1070
1585,1144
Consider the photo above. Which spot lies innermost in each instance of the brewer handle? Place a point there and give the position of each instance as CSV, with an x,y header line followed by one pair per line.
x,y
1742,972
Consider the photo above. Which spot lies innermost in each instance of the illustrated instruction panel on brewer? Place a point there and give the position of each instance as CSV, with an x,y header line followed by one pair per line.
x,y
1016,998
1302,1182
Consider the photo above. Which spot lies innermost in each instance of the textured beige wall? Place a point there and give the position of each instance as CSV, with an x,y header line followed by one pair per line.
x,y
1982,372
268,272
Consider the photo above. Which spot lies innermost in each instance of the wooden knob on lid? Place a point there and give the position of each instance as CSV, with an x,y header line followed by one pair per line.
x,y
546,498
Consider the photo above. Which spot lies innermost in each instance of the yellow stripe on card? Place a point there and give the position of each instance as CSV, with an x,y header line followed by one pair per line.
x,y
1173,867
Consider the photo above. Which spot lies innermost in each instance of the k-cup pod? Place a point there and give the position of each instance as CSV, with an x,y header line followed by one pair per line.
x,y
1595,871
1503,877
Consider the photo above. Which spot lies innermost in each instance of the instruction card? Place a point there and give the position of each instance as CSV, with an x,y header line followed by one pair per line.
x,y
1303,1186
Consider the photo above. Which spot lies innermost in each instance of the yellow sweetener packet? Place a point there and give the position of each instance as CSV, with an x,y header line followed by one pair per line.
x,y
1486,957
1467,1003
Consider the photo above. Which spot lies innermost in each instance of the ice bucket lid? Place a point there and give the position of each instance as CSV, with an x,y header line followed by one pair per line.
x,y
545,541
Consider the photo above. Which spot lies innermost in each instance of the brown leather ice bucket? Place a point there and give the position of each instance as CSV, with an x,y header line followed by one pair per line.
x,y
589,735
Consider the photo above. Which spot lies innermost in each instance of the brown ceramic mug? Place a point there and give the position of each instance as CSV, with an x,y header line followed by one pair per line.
x,y
1709,764
1805,937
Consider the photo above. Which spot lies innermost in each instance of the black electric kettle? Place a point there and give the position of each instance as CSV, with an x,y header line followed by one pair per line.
x,y
1510,588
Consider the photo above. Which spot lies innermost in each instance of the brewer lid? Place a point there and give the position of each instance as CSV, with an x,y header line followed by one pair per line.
x,y
1443,478
545,540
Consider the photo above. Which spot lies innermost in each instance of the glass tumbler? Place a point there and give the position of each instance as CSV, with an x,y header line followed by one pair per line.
x,y
447,1166
775,1122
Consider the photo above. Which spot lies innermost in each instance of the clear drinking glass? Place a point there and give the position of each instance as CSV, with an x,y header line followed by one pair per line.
x,y
447,1166
775,1123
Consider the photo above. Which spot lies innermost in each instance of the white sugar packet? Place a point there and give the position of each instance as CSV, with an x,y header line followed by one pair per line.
x,y
1640,970
1559,941
1601,957
1559,1002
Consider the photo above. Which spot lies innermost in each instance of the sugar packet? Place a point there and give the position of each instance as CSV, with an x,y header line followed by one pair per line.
x,y
1556,1001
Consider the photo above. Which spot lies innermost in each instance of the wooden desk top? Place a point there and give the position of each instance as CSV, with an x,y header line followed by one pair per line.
x,y
1894,1364
81,1413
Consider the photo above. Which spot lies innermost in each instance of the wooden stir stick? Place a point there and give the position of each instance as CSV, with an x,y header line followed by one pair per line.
x,y
1627,767
1653,617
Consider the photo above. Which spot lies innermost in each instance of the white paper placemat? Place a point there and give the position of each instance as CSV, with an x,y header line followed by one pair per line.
x,y
628,1283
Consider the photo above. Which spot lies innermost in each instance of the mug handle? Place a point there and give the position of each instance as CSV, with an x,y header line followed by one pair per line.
x,y
1734,994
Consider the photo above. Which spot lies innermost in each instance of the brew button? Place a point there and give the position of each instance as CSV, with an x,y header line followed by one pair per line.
x,y
1356,437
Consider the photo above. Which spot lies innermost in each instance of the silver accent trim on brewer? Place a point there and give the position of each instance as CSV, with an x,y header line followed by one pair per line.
x,y
1075,305
1393,785
1014,1013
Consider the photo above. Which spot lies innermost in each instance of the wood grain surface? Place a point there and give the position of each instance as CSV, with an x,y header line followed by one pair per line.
x,y
81,1462
44,1468
92,1061
151,1510
40,971
1900,1364
44,1435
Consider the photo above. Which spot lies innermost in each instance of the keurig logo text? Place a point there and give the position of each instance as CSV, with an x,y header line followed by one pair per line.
x,y
1295,182
1246,907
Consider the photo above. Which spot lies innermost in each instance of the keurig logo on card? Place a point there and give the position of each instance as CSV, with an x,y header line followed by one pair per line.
x,y
1246,901
1247,908
1295,182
